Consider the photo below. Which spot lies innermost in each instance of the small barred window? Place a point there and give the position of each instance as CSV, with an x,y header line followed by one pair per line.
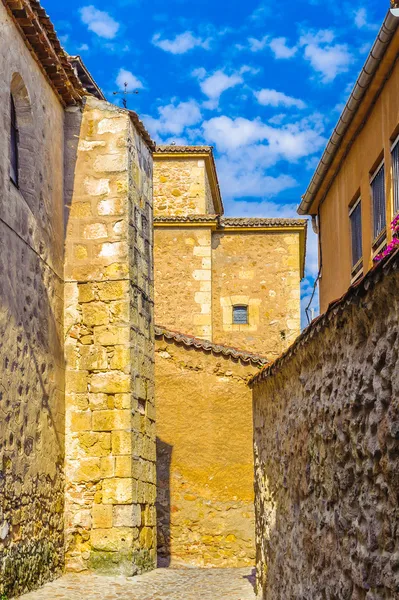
x,y
240,315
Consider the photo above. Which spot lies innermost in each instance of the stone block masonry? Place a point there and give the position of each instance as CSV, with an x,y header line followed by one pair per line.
x,y
327,453
110,413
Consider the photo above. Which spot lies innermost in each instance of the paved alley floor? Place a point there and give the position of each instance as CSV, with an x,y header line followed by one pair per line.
x,y
162,584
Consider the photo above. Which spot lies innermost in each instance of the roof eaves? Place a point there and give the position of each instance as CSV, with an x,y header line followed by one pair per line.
x,y
207,346
211,167
142,130
362,84
41,39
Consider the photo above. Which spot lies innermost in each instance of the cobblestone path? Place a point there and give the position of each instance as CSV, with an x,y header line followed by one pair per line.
x,y
162,584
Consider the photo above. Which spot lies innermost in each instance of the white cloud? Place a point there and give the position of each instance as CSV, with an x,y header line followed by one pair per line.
x,y
100,22
124,76
289,142
181,44
362,22
83,47
257,45
326,58
174,119
281,50
214,85
274,98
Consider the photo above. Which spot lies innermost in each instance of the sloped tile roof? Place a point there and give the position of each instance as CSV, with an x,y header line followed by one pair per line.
x,y
261,222
206,346
184,149
41,39
356,291
185,219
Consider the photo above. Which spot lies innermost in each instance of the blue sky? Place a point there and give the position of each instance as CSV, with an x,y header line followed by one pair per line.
x,y
262,82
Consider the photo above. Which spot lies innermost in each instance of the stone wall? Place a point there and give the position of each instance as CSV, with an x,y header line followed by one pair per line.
x,y
327,453
180,186
110,453
260,270
31,325
183,279
204,456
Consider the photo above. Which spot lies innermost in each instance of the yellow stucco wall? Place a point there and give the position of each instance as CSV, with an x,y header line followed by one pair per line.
x,y
205,458
353,179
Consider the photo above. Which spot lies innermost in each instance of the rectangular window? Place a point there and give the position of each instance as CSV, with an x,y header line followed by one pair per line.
x,y
379,205
395,176
13,144
355,216
240,315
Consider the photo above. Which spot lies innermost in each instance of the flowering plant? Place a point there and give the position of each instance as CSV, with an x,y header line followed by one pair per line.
x,y
395,241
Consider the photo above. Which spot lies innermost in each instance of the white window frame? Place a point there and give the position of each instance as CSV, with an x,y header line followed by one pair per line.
x,y
384,231
393,146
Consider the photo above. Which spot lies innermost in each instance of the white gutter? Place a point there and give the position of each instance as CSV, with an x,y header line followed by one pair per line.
x,y
364,80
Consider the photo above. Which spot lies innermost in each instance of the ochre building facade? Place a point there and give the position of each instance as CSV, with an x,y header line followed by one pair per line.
x,y
354,193
204,452
207,264
220,283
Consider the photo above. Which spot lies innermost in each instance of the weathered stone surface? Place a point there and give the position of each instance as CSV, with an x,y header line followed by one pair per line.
x,y
327,457
31,324
204,458
109,349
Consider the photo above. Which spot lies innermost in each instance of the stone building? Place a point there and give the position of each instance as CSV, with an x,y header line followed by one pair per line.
x,y
76,317
354,193
235,281
326,412
78,444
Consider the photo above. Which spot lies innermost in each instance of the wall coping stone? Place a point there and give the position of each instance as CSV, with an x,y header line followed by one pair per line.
x,y
207,346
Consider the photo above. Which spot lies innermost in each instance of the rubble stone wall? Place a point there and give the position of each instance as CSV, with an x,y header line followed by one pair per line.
x,y
110,450
204,458
327,455
183,279
31,325
180,186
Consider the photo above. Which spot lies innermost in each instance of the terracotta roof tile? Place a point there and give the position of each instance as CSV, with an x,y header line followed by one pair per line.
x,y
258,222
143,131
40,37
181,149
185,219
206,346
357,290
233,221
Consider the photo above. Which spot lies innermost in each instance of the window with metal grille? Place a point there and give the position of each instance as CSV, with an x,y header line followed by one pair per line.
x,y
355,216
395,176
240,315
13,143
379,207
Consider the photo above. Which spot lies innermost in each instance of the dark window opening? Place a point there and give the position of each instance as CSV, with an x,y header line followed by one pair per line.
x,y
14,144
240,315
356,233
379,205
